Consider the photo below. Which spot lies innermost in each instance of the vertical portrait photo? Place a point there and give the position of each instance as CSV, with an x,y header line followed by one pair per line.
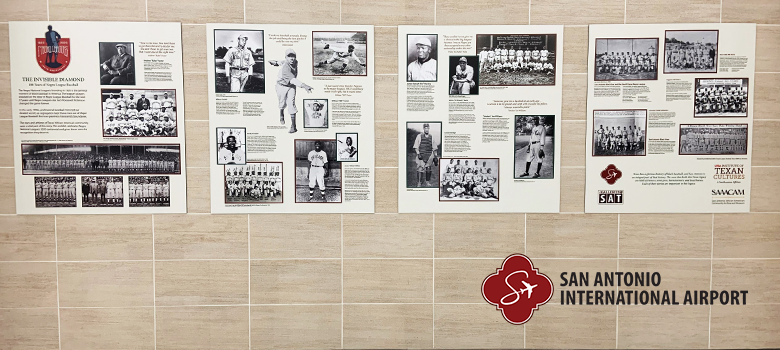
x,y
421,57
626,59
347,147
315,113
339,53
691,51
117,63
317,173
534,147
423,150
231,146
464,75
238,61
620,132
517,59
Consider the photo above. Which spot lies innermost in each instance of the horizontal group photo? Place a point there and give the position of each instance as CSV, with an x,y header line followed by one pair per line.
x,y
139,113
691,51
259,182
619,132
100,159
713,139
468,179
517,59
149,191
626,59
55,191
339,53
102,191
721,98
534,147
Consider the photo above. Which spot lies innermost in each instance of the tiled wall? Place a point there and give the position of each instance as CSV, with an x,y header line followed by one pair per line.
x,y
201,281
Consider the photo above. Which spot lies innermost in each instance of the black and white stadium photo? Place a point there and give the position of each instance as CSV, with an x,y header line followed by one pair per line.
x,y
626,59
231,146
534,147
102,191
423,149
315,113
55,191
149,191
347,147
239,61
619,132
464,75
100,159
691,51
317,173
468,179
516,59
721,97
339,53
139,113
713,139
259,182
421,57
117,63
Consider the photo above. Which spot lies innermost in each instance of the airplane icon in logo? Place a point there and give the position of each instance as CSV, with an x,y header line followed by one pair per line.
x,y
516,292
528,288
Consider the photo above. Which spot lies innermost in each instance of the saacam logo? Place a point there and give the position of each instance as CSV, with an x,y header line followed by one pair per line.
x,y
517,289
611,174
730,192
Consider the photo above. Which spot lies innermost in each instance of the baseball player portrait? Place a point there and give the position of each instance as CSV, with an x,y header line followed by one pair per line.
x,y
534,147
55,191
255,182
423,141
516,59
317,173
238,61
315,114
619,132
464,79
421,57
286,86
347,147
626,59
231,146
117,65
476,179
339,53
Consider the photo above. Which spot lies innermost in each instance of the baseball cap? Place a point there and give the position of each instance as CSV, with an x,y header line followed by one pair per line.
x,y
242,36
318,143
424,41
290,52
426,125
122,45
462,59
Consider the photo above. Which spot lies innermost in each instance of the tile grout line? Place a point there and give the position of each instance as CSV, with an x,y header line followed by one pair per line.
x,y
712,254
339,23
617,307
433,283
721,12
154,286
249,270
435,4
57,275
146,9
244,11
342,279
47,10
529,23
525,215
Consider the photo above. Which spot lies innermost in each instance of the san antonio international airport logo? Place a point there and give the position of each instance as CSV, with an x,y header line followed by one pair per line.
x,y
517,289
52,52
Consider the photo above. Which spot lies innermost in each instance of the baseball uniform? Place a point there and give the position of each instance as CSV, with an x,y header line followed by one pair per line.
x,y
241,62
318,161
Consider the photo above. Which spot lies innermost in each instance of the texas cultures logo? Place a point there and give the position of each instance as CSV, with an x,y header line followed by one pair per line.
x,y
611,174
52,52
517,289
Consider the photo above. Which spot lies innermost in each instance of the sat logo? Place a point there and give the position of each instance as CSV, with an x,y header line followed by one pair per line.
x,y
611,197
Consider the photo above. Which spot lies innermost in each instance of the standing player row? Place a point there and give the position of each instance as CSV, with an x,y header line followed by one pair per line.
x,y
102,191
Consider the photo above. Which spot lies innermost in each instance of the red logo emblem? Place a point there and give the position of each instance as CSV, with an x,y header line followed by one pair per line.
x,y
611,174
52,52
517,289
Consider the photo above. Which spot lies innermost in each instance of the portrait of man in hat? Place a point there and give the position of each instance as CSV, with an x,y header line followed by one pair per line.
x,y
118,64
238,61
464,78
421,57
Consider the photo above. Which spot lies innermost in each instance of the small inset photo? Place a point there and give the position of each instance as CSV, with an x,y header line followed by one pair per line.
x,y
339,53
534,147
149,191
255,182
231,146
423,149
626,59
55,191
713,139
517,59
464,75
468,179
117,64
238,61
315,113
317,173
139,113
347,146
721,98
102,191
421,56
691,51
619,132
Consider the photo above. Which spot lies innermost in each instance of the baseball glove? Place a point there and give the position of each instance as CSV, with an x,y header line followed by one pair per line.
x,y
436,161
541,153
327,46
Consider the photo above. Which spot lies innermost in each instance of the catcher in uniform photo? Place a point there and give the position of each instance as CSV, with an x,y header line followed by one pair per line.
x,y
424,154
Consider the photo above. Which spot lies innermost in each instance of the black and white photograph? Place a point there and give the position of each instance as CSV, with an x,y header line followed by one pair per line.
x,y
713,139
231,146
516,59
100,159
464,75
117,63
149,191
102,191
691,51
139,113
626,59
55,191
468,179
239,61
534,147
317,173
347,147
339,53
315,113
619,132
421,57
423,149
721,98
254,182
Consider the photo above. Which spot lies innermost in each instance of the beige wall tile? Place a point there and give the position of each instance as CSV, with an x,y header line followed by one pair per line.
x,y
197,144
766,142
460,280
388,281
393,12
577,12
316,236
765,101
746,236
575,93
29,329
386,188
195,90
554,326
451,12
479,235
663,327
28,285
388,326
93,237
765,191
94,10
386,41
201,237
665,235
6,143
386,144
689,11
194,55
198,195
7,187
86,329
767,45
751,11
573,190
296,327
749,326
676,275
291,281
571,235
106,284
553,268
211,327
388,236
5,95
212,282
27,238
295,11
386,99
5,57
573,143
207,11
758,277
474,327
34,10
386,65
575,49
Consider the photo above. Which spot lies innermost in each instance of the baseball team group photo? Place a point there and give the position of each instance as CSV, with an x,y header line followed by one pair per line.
x,y
117,63
254,182
713,139
102,191
516,59
100,159
239,61
339,53
149,191
721,97
55,191
468,179
317,172
619,132
139,113
626,59
423,149
534,147
691,51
